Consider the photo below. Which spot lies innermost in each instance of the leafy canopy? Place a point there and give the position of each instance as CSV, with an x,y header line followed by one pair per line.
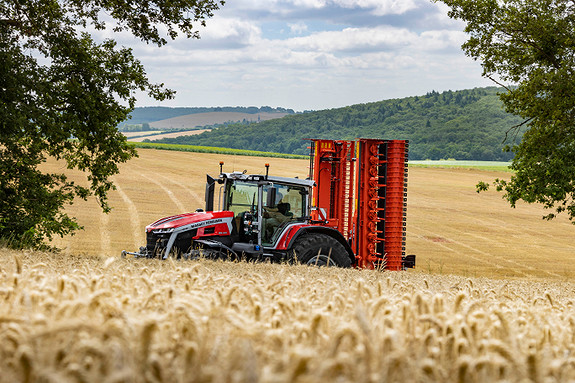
x,y
530,44
62,94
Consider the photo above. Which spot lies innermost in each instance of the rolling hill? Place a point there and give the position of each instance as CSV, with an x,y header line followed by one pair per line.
x,y
195,120
148,115
464,125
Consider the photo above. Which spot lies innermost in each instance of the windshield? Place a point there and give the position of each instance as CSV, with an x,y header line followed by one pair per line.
x,y
242,197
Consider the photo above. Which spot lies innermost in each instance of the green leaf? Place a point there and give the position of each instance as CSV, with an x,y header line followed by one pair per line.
x,y
62,94
531,45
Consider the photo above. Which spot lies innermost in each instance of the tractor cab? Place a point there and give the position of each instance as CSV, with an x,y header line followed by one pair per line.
x,y
262,206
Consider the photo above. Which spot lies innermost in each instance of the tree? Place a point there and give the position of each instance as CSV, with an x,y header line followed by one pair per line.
x,y
62,94
530,45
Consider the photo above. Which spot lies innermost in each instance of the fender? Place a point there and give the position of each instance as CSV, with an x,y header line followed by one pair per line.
x,y
287,234
293,232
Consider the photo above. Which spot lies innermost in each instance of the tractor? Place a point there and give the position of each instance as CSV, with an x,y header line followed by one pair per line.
x,y
351,211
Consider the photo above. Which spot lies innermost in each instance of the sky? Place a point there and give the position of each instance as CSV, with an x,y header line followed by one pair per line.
x,y
313,55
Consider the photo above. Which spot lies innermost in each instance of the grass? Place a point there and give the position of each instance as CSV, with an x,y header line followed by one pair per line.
x,y
213,149
494,166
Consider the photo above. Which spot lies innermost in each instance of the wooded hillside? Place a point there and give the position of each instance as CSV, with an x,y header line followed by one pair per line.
x,y
464,125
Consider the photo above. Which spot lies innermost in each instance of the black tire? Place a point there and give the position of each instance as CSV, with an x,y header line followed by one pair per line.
x,y
317,249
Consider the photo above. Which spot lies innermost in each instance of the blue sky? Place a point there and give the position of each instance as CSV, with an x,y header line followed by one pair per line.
x,y
313,54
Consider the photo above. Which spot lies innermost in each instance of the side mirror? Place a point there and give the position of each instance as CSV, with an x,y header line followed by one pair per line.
x,y
271,198
210,187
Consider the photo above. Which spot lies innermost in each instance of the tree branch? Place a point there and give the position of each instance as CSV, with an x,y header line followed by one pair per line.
x,y
12,23
498,83
516,128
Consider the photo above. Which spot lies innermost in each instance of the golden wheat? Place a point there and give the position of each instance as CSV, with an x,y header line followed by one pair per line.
x,y
90,319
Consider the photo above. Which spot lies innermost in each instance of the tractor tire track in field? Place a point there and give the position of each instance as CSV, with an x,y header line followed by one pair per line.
x,y
134,217
167,190
501,223
489,260
490,257
105,240
194,195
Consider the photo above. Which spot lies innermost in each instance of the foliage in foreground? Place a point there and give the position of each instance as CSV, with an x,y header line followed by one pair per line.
x,y
97,319
531,45
62,94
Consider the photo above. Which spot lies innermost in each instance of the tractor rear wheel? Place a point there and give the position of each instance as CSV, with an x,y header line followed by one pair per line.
x,y
317,249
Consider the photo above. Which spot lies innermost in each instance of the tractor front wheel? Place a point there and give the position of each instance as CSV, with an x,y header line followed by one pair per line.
x,y
317,249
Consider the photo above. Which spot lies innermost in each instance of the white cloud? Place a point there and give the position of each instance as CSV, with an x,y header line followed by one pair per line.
x,y
231,30
379,7
390,49
442,40
354,39
297,28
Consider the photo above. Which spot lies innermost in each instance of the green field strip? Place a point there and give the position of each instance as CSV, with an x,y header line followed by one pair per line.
x,y
213,149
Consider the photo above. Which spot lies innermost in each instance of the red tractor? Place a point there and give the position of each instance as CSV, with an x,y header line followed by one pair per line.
x,y
351,211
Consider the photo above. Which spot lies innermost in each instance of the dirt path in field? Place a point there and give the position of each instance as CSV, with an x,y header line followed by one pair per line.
x,y
105,238
134,217
195,196
168,191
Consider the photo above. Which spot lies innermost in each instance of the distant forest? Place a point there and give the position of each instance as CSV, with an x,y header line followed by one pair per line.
x,y
463,125
142,115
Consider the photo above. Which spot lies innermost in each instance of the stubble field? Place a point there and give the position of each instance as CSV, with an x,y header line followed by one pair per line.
x,y
451,228
490,301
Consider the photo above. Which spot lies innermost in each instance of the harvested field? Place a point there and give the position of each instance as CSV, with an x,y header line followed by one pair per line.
x,y
451,228
168,135
191,121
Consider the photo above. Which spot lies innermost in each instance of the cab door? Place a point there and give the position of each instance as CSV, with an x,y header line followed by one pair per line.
x,y
282,205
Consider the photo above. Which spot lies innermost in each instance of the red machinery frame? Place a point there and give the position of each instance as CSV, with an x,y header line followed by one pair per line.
x,y
361,190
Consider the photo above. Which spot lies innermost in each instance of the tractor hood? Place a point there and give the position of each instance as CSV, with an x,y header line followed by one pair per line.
x,y
190,221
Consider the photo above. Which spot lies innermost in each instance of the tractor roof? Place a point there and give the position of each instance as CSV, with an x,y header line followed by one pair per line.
x,y
273,179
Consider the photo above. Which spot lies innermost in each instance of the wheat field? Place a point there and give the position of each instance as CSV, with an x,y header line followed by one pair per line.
x,y
491,299
94,319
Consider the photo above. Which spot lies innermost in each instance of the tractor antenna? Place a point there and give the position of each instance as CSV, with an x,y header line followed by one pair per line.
x,y
267,170
221,166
